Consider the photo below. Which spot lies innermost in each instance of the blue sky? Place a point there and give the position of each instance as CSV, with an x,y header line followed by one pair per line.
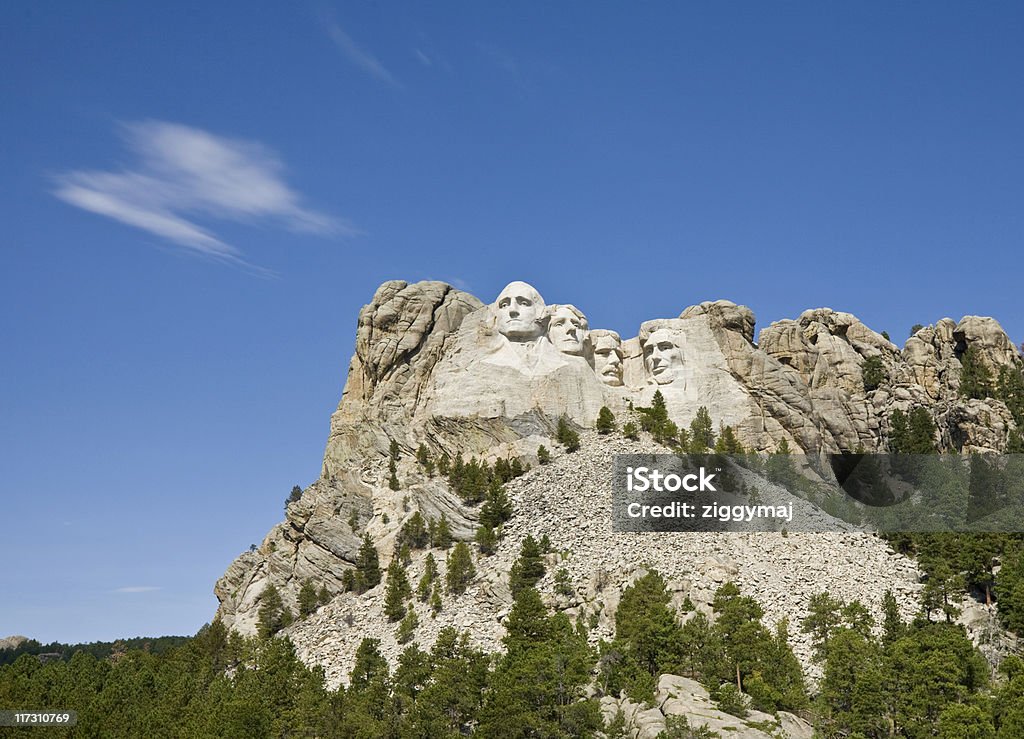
x,y
197,200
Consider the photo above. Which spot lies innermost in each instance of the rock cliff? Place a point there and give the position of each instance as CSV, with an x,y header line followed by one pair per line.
x,y
434,366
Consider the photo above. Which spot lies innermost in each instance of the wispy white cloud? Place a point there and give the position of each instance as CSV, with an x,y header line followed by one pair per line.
x,y
137,589
180,173
355,54
422,58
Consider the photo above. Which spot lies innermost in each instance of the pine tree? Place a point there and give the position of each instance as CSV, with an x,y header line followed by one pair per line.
x,y
942,589
658,412
537,686
412,675
295,495
739,623
667,433
605,421
823,618
1009,700
630,431
892,624
778,682
273,615
450,701
497,509
442,538
308,600
470,480
899,432
502,471
426,582
407,629
1010,390
975,376
647,633
702,651
543,455
393,467
460,570
528,568
367,574
702,435
932,666
852,695
873,373
979,556
422,454
728,443
370,666
566,436
324,596
435,601
486,539
1010,589
779,468
396,592
921,432
655,420
959,720
413,533
563,583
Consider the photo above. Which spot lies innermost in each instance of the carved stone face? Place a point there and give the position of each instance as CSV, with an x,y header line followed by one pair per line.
x,y
662,357
520,312
608,358
567,330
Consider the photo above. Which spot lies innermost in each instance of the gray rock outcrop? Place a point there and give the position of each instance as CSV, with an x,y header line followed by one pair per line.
x,y
12,642
435,366
681,696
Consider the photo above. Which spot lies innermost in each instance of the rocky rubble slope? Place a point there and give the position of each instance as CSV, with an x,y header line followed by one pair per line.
x,y
569,500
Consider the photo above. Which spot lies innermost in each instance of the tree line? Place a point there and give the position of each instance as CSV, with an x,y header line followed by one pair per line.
x,y
894,679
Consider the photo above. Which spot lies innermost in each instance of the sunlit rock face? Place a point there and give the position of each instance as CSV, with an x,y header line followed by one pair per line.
x,y
663,357
607,348
519,312
436,366
568,330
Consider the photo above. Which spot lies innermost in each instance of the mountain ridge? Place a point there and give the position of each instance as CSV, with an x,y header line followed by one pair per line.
x,y
434,367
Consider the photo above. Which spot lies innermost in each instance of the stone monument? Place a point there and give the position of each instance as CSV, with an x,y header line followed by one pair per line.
x,y
568,329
